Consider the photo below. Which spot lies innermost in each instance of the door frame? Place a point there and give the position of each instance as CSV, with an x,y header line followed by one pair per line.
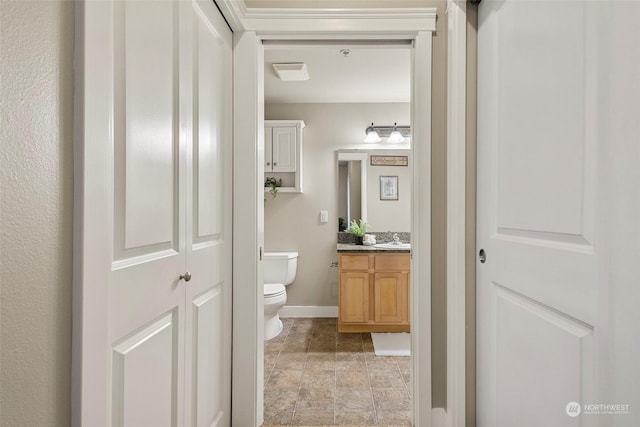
x,y
251,27
457,322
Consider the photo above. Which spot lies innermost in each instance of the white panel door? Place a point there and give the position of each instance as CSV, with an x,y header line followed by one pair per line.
x,y
146,308
208,240
284,149
537,292
152,202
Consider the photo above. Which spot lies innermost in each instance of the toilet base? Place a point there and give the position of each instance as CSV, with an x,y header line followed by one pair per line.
x,y
272,327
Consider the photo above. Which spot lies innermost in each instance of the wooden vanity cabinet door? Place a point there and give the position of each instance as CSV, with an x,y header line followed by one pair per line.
x,y
390,297
354,297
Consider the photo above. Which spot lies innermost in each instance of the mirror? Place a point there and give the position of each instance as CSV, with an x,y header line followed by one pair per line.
x,y
352,188
363,189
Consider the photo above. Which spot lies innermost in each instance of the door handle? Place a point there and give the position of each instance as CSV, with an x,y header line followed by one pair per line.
x,y
186,276
482,256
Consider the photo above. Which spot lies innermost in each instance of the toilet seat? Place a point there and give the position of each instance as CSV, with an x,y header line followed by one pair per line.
x,y
272,290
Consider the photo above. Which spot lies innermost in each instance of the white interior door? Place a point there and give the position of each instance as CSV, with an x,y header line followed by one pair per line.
x,y
538,306
152,202
208,240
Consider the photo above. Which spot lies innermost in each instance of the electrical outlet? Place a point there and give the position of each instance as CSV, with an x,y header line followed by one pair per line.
x,y
324,216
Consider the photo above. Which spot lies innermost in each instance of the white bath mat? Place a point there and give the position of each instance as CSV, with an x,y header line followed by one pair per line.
x,y
392,344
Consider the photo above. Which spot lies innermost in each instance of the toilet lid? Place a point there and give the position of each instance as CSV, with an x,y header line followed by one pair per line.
x,y
273,289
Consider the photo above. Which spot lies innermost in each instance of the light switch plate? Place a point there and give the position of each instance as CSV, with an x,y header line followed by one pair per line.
x,y
324,216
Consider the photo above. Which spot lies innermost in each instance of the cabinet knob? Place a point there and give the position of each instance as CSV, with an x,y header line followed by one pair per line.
x,y
274,163
186,276
268,163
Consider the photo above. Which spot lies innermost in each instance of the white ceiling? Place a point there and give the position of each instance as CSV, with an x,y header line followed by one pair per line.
x,y
370,74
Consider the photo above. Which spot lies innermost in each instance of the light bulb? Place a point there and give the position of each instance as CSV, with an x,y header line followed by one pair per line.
x,y
372,136
395,137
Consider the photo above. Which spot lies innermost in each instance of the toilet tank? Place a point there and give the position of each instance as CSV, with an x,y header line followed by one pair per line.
x,y
280,267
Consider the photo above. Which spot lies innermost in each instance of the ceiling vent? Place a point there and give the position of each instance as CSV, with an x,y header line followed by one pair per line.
x,y
292,71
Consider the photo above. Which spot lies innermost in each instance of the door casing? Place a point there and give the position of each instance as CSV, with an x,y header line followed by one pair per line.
x,y
252,27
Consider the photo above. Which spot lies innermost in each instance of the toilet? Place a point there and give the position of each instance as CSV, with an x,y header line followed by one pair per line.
x,y
279,271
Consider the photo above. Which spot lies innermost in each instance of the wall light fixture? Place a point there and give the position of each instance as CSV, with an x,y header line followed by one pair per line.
x,y
395,134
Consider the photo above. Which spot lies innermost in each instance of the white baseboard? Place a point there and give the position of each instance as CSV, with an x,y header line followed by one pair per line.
x,y
438,417
309,311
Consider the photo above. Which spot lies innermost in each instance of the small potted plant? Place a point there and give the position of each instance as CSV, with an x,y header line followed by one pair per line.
x,y
358,228
274,184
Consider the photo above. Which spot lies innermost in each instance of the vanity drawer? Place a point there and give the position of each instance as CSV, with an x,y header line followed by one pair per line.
x,y
354,262
392,262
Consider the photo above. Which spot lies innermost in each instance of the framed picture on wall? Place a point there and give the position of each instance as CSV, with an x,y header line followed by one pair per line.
x,y
388,188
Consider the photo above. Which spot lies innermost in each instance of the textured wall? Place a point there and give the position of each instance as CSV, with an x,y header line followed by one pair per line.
x,y
36,52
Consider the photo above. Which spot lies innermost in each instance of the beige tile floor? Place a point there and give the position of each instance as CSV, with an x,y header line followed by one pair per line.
x,y
315,376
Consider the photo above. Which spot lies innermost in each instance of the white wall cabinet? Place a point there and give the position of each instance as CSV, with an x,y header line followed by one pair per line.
x,y
283,153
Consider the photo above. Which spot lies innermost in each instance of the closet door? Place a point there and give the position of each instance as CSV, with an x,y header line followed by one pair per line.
x,y
539,171
150,189
208,240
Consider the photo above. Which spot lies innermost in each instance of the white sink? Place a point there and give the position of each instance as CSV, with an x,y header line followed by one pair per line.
x,y
391,245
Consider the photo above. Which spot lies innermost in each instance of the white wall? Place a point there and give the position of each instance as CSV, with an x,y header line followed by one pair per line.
x,y
292,221
36,53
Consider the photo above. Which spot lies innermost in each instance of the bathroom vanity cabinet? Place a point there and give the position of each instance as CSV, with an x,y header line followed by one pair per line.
x,y
373,292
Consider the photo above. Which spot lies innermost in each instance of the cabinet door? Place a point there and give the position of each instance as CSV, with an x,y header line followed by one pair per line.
x,y
283,149
390,297
354,297
268,143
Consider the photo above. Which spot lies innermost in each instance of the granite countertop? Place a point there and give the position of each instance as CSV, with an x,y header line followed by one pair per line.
x,y
350,247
